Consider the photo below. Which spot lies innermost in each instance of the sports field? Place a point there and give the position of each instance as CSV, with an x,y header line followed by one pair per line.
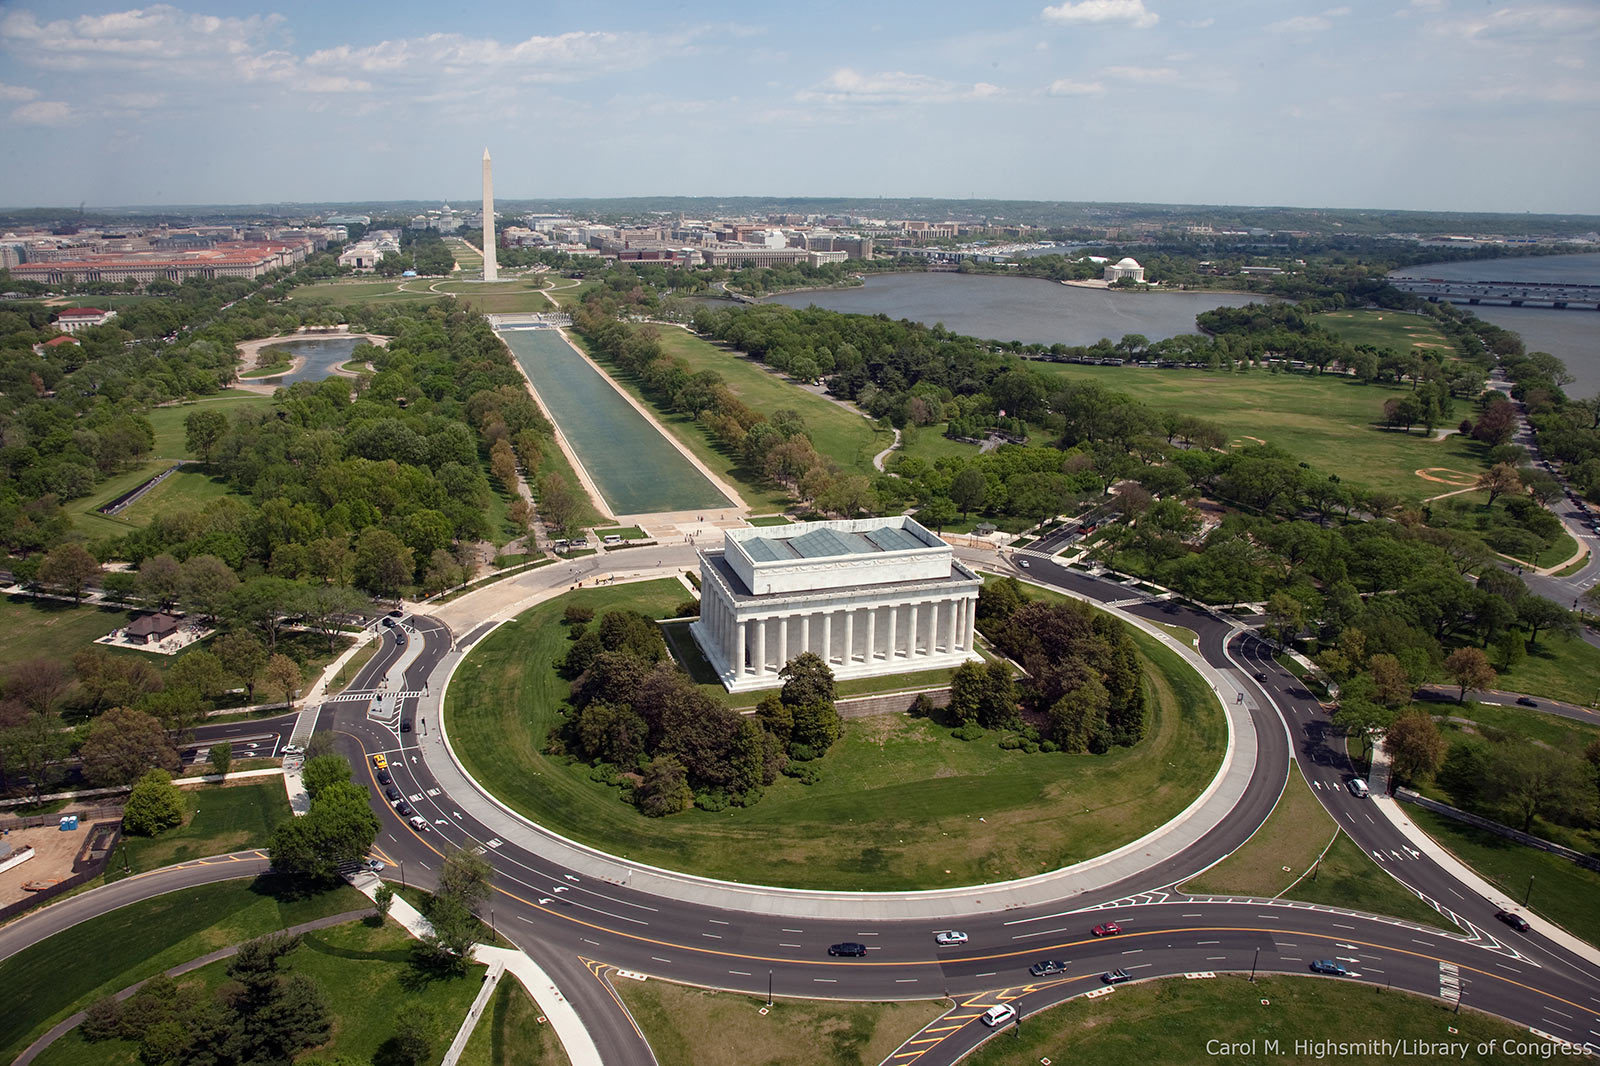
x,y
1331,423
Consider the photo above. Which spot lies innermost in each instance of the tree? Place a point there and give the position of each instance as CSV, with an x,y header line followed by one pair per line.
x,y
37,683
329,607
1469,668
200,670
1499,480
1538,613
1530,783
208,585
1078,717
268,604
161,581
966,692
383,899
339,828
203,431
409,1046
35,748
1286,617
322,771
1390,683
1415,745
807,679
221,758
968,489
465,877
283,675
383,564
663,788
1364,719
246,657
122,745
69,568
936,513
154,804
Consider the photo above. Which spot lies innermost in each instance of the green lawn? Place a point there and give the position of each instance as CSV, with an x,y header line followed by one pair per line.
x,y
929,443
184,490
367,980
217,819
1559,668
509,1033
700,1027
554,461
1385,329
1167,1023
55,629
1327,422
168,420
1286,847
769,520
1562,892
625,532
1565,734
271,370
899,802
135,942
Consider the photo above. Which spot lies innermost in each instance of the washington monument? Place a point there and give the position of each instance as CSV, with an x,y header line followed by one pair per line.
x,y
491,269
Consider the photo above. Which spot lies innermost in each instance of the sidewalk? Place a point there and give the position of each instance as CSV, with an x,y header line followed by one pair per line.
x,y
574,1037
1460,870
1208,810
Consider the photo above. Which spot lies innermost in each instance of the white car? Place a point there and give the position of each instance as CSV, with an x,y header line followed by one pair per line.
x,y
995,1017
949,938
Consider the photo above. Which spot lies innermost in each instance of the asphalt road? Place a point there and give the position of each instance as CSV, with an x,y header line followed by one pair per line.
x,y
579,929
561,917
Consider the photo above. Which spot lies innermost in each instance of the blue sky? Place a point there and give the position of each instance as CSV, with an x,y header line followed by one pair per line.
x,y
1428,104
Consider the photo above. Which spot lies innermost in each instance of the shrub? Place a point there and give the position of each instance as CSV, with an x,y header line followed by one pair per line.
x,y
970,731
805,773
802,752
154,805
577,614
102,1021
711,801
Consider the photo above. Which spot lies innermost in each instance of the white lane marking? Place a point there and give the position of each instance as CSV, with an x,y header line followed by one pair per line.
x,y
989,974
718,921
1133,951
825,980
1215,958
1291,958
1336,925
741,973
658,958
793,930
1563,1013
905,980
1194,916
1041,932
1424,943
788,945
713,936
1198,942
1270,917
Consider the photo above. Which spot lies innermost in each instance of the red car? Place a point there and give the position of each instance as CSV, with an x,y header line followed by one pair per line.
x,y
1109,929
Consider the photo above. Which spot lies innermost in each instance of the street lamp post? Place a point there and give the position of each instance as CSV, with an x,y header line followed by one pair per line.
x,y
403,874
769,988
1253,966
1526,896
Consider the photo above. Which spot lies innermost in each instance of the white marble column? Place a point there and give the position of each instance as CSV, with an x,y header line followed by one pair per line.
x,y
849,638
872,636
894,623
934,626
805,633
911,633
739,654
761,646
827,637
783,640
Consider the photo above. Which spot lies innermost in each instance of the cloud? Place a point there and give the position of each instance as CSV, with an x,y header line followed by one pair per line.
x,y
140,39
45,113
564,57
1068,87
1130,11
17,92
1198,24
847,86
1301,24
1149,74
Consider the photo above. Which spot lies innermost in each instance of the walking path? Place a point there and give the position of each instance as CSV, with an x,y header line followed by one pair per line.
x,y
879,459
1207,811
71,1022
575,1038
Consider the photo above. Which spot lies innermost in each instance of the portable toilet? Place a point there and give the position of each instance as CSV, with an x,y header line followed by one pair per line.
x,y
69,822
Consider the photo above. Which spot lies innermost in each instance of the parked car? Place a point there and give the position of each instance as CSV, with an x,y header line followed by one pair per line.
x,y
375,865
949,938
380,762
1108,929
403,808
384,778
1047,968
995,1017
393,793
1329,967
1114,977
848,949
1514,920
419,823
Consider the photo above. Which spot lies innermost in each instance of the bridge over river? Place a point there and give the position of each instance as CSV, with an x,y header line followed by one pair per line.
x,y
1504,293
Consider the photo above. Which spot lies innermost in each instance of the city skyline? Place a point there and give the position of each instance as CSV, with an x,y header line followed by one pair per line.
x,y
1399,104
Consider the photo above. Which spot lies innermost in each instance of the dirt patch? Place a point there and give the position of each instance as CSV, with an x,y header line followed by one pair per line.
x,y
53,854
1244,437
1446,476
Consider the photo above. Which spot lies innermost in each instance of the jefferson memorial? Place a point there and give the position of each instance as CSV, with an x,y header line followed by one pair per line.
x,y
869,596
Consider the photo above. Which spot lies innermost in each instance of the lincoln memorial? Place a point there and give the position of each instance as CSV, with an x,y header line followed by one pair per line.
x,y
870,596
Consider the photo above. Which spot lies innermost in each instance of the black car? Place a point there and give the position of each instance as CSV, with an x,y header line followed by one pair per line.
x,y
1515,921
1524,701
1261,675
1114,977
403,809
405,727
849,950
393,793
1047,967
384,778
388,623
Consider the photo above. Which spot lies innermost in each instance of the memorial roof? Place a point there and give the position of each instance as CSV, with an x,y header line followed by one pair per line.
x,y
829,543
